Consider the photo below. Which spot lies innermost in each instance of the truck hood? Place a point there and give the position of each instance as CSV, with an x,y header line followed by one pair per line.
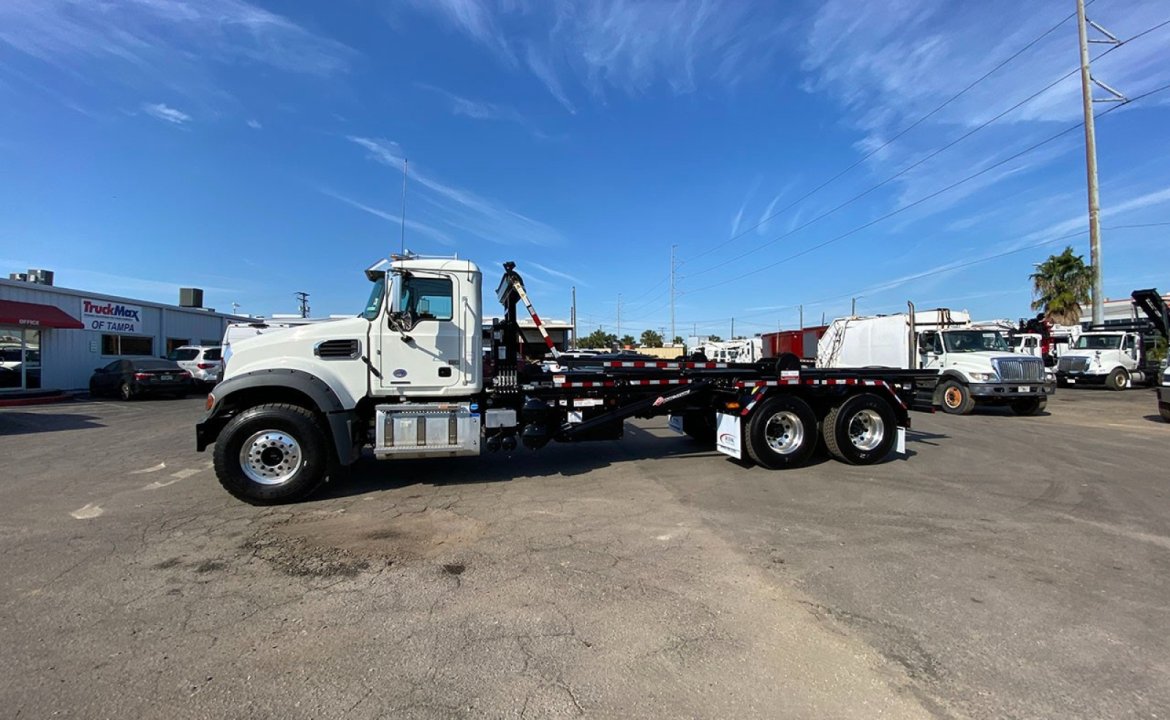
x,y
293,346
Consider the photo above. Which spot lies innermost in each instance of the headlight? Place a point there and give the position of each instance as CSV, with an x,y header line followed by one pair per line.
x,y
1049,375
983,377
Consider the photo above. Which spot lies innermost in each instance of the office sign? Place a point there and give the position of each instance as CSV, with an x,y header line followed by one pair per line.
x,y
111,317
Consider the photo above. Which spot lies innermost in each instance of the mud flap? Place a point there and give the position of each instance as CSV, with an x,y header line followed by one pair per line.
x,y
900,446
729,435
675,422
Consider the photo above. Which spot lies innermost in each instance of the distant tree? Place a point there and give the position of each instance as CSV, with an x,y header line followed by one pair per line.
x,y
1061,285
714,338
651,339
679,341
599,339
628,341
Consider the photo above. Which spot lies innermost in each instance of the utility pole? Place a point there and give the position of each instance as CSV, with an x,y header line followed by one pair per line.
x,y
802,317
303,299
619,318
853,308
573,317
1087,83
672,269
732,329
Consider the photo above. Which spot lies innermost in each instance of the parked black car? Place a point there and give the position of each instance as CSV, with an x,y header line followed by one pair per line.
x,y
130,378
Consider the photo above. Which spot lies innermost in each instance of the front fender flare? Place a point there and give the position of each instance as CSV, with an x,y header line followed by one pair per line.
x,y
341,420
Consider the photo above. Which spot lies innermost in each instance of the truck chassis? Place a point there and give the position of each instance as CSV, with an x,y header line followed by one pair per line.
x,y
272,447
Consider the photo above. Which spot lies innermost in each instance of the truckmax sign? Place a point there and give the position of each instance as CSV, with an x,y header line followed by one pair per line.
x,y
111,317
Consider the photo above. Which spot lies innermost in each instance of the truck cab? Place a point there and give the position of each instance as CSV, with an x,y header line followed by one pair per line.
x,y
1114,359
977,365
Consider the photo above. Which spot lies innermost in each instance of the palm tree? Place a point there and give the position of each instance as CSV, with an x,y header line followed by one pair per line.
x,y
1061,285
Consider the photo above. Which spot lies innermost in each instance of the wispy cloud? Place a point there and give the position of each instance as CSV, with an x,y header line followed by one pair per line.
x,y
162,45
166,113
462,208
475,109
626,45
556,273
437,235
254,124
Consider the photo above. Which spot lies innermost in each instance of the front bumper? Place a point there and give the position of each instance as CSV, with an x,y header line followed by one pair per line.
x,y
987,391
1082,377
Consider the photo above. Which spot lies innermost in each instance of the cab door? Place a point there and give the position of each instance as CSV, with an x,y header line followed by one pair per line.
x,y
427,358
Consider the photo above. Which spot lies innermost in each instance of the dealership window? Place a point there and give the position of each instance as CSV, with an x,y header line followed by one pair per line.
x,y
175,343
127,345
210,343
20,359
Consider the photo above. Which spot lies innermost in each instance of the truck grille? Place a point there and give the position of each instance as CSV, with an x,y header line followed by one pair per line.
x,y
1072,364
1020,369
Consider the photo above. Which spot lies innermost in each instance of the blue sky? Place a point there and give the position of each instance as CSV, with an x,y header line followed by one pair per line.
x,y
255,149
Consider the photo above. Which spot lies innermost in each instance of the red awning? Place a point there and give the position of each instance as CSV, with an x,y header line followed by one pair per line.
x,y
32,315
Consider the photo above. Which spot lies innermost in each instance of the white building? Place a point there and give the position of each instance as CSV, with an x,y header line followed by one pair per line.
x,y
53,337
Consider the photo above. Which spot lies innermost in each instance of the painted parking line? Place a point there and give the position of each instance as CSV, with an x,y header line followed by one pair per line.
x,y
156,468
175,477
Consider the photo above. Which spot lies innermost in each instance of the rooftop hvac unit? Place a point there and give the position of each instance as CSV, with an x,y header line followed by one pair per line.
x,y
22,277
40,277
190,297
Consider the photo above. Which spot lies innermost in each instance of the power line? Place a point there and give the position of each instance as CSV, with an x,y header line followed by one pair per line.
x,y
949,268
922,160
893,139
930,196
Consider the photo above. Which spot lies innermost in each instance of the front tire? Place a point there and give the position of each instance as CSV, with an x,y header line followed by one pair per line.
x,y
126,391
956,398
1118,379
272,454
1029,406
862,430
782,433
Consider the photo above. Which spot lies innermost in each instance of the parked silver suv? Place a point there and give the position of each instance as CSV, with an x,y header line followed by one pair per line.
x,y
204,363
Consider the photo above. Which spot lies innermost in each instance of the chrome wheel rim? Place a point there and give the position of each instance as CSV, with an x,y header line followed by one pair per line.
x,y
866,430
784,432
270,457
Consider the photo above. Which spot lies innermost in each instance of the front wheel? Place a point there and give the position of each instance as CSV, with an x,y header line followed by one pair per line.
x,y
1118,379
127,391
272,454
862,430
782,433
1029,406
956,398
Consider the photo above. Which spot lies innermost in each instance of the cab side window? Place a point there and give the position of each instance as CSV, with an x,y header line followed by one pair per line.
x,y
428,298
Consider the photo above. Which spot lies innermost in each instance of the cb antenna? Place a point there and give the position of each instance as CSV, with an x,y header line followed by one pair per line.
x,y
402,244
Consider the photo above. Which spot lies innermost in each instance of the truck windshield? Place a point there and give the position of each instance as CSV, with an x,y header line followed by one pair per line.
x,y
374,304
1098,342
958,341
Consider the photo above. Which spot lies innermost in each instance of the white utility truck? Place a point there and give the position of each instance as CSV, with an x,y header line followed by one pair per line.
x,y
975,365
1120,354
406,379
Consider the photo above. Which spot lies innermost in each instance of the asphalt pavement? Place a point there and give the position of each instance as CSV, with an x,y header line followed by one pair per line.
x,y
1007,568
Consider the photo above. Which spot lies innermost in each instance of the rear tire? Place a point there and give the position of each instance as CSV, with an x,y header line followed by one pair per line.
x,y
956,398
1029,406
782,433
862,430
272,454
1118,379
